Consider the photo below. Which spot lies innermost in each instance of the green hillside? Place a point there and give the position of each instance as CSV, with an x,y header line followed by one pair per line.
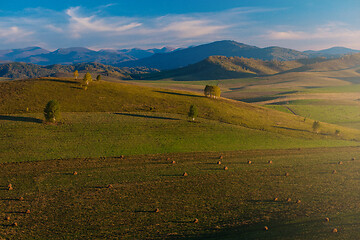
x,y
32,95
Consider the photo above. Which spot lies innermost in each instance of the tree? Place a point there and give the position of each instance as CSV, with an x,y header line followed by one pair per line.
x,y
98,78
207,90
76,74
193,112
87,79
216,91
212,91
316,126
52,111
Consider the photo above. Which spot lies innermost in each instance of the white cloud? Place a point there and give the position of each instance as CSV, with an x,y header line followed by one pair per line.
x,y
13,34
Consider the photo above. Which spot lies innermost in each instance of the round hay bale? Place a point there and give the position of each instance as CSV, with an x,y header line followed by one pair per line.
x,y
110,186
266,228
221,157
334,172
327,220
196,220
28,211
249,162
219,162
185,174
173,162
340,163
75,173
14,224
288,199
298,201
352,159
122,157
287,174
7,218
168,159
226,168
270,162
157,210
276,199
10,188
335,230
21,199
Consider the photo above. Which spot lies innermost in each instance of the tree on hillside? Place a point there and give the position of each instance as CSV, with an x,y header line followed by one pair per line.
x,y
316,126
76,74
98,78
87,79
212,91
193,112
52,111
207,90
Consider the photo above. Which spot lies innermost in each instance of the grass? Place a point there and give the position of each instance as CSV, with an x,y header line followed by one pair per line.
x,y
231,204
25,138
117,97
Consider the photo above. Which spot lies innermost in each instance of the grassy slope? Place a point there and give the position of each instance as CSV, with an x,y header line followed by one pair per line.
x,y
231,204
108,134
114,97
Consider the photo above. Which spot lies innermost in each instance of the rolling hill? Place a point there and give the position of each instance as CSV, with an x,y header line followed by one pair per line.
x,y
27,70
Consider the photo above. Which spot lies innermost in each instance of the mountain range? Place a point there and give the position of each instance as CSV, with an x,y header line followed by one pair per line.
x,y
164,58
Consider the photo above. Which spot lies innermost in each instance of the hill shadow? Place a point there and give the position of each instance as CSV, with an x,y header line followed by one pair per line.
x,y
179,94
61,81
146,116
20,119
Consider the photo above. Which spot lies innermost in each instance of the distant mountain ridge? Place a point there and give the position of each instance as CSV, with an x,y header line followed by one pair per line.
x,y
165,58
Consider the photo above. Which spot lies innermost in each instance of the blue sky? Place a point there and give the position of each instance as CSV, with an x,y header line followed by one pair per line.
x,y
106,24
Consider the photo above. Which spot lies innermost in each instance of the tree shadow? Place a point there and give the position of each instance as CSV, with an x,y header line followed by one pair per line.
x,y
180,94
146,116
20,119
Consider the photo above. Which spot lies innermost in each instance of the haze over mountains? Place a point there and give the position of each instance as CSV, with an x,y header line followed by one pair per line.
x,y
164,58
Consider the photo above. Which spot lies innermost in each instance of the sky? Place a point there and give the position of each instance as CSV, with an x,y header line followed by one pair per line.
x,y
118,24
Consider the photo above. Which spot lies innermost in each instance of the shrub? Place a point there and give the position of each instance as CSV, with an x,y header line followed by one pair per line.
x,y
52,111
316,126
98,78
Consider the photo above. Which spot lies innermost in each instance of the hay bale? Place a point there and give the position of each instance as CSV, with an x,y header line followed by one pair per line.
x,y
221,157
168,159
75,173
327,220
10,187
340,163
287,174
276,199
298,201
196,220
122,157
266,228
335,230
352,159
288,199
226,168
28,211
334,172
173,162
219,162
185,174
14,224
249,162
270,162
157,210
21,199
110,186
7,218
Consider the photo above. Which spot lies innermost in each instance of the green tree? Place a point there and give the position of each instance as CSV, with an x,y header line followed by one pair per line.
x,y
76,74
87,78
193,112
52,111
216,91
316,126
98,78
207,90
